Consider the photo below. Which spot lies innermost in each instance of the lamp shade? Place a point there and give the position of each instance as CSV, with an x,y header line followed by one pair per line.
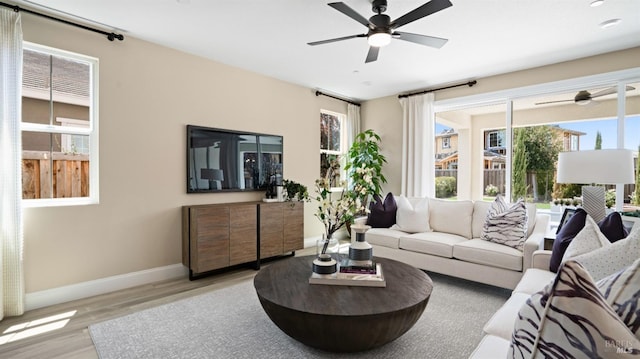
x,y
596,166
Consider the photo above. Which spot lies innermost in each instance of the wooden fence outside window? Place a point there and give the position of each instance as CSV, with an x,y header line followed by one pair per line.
x,y
54,175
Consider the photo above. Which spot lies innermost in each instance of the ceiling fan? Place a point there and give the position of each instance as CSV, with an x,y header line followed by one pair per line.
x,y
584,97
382,29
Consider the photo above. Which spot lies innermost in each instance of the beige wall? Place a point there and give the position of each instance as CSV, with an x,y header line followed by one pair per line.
x,y
385,114
148,94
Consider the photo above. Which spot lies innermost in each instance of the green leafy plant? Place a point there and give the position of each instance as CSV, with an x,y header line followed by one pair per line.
x,y
295,191
445,187
610,198
491,190
364,167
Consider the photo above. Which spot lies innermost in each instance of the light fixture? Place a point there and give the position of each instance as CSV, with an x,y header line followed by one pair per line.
x,y
595,3
610,23
379,39
612,166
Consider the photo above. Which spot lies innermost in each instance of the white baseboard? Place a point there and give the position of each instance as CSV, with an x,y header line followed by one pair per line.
x,y
82,290
311,241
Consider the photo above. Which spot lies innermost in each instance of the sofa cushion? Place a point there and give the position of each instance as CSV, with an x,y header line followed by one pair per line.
x,y
588,239
488,253
570,318
611,258
612,227
480,209
532,217
564,237
384,237
382,214
412,215
534,280
622,292
435,243
491,347
451,216
506,224
502,322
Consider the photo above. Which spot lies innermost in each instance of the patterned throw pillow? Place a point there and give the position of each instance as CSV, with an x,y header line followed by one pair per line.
x,y
569,318
612,257
588,239
622,292
382,214
506,224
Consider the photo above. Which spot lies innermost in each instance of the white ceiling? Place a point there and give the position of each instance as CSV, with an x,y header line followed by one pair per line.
x,y
486,37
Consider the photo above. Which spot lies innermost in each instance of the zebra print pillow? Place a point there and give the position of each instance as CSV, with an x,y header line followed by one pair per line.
x,y
570,318
506,224
622,292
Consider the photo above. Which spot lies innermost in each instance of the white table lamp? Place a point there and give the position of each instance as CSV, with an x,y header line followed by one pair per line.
x,y
595,167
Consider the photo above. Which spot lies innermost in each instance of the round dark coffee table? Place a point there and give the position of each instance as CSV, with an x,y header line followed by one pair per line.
x,y
342,318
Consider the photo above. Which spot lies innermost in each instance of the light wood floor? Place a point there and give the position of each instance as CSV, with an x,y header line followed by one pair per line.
x,y
20,337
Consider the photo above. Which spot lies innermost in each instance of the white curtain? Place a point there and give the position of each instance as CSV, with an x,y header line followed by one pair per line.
x,y
353,129
418,127
353,122
12,283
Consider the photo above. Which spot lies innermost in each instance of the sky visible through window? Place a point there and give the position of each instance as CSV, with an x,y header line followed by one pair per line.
x,y
608,132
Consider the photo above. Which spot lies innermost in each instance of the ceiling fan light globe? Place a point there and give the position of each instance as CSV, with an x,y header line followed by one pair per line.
x,y
379,39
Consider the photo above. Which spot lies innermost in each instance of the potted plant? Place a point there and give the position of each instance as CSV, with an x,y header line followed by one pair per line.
x,y
295,191
364,167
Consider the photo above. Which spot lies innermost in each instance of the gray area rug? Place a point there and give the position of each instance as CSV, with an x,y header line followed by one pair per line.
x,y
230,323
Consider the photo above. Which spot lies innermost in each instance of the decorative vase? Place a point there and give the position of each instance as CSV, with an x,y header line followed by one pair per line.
x,y
324,264
360,251
328,245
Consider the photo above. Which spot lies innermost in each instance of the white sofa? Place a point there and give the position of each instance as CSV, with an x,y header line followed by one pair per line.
x,y
453,246
498,330
583,305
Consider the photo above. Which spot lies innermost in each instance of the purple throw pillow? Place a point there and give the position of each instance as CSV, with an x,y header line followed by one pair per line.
x,y
612,227
382,214
568,231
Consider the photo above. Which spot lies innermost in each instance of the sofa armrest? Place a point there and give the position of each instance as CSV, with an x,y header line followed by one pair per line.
x,y
362,220
535,241
541,259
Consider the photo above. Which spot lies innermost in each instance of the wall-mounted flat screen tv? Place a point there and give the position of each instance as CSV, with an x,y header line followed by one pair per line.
x,y
227,160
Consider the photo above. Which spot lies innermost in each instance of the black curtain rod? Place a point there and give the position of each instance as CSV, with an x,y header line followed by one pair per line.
x,y
318,93
470,84
110,35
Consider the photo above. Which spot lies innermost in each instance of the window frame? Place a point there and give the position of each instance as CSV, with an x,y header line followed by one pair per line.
x,y
343,145
91,131
507,96
446,142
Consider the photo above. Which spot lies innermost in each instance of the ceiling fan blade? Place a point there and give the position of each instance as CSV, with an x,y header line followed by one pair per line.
x,y
610,91
345,9
336,39
431,41
547,102
372,55
429,8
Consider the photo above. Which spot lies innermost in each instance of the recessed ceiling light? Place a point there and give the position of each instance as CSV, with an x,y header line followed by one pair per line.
x,y
595,3
609,23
